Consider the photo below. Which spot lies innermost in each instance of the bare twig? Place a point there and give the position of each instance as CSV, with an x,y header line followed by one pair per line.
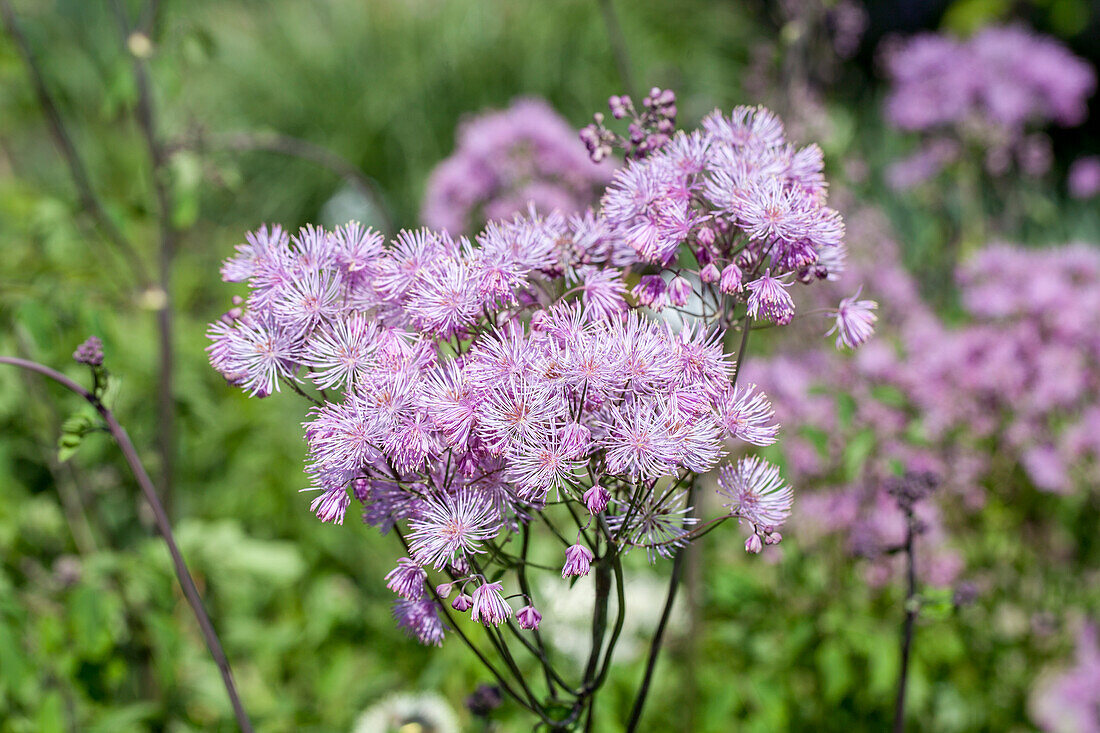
x,y
160,517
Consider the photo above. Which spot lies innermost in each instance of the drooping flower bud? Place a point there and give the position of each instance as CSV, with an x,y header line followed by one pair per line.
x,y
679,290
578,560
596,499
462,602
753,544
731,279
710,273
528,618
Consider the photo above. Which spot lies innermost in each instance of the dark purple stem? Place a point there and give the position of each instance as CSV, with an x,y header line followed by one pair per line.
x,y
911,610
187,583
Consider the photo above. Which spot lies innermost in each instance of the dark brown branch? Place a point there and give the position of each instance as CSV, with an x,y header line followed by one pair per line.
x,y
164,527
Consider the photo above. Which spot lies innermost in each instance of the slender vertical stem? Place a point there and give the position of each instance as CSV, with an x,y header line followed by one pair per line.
x,y
164,527
146,117
618,45
746,329
658,634
911,610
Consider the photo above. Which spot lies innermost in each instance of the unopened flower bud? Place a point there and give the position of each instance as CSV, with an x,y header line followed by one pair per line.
x,y
679,290
528,618
578,560
731,279
596,499
462,602
443,590
710,273
753,544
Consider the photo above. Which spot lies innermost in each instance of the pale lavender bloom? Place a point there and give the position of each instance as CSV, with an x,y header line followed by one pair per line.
x,y
578,559
769,299
420,620
989,89
651,291
660,525
489,606
747,415
331,505
448,528
542,465
253,354
638,442
528,618
1084,177
504,159
253,255
602,293
340,353
576,439
756,492
445,300
407,579
854,321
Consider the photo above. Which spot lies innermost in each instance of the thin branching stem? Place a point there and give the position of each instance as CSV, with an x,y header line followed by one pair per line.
x,y
164,527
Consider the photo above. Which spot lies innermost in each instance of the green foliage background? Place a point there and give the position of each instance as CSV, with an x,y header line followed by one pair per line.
x,y
94,635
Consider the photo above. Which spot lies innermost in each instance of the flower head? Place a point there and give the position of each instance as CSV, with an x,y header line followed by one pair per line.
x,y
489,606
855,321
407,579
578,559
449,527
756,493
528,618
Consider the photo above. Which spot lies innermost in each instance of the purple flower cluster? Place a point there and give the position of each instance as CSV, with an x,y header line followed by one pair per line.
x,y
988,91
464,388
1025,371
507,159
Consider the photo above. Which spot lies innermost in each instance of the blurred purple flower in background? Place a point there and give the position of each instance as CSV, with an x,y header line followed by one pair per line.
x,y
1069,701
986,91
1084,177
506,159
